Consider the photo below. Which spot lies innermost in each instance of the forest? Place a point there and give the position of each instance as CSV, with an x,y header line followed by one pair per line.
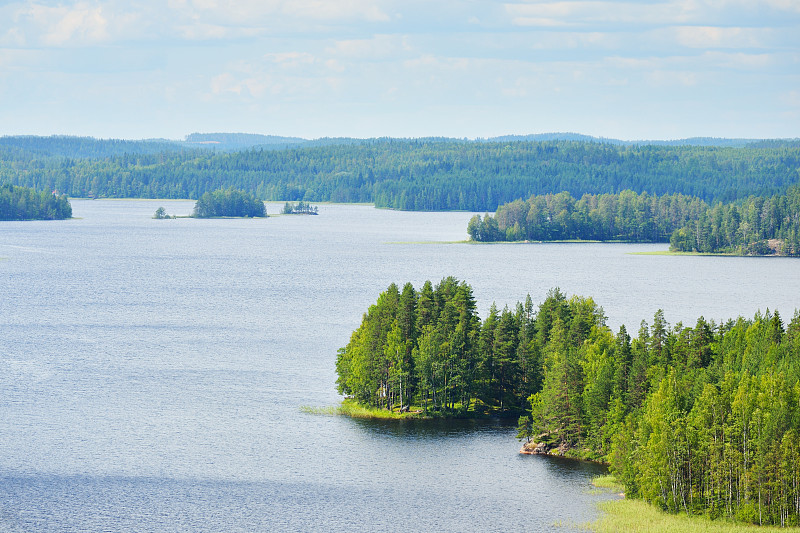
x,y
24,203
699,419
626,216
228,203
410,174
752,226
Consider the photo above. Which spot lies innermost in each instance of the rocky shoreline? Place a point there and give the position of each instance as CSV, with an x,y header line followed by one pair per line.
x,y
544,448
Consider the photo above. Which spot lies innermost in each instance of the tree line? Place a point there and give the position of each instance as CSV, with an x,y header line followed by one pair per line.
x,y
418,174
701,420
753,226
626,216
429,348
24,203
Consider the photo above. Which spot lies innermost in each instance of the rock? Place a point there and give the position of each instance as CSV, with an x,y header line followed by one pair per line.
x,y
535,448
542,446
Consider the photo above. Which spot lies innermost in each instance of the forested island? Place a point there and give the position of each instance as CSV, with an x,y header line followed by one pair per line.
x,y
300,208
752,226
410,174
24,203
228,203
700,420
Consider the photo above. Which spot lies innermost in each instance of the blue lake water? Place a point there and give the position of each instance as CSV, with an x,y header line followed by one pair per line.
x,y
152,371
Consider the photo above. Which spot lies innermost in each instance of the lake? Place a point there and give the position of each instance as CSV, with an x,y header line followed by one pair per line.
x,y
152,372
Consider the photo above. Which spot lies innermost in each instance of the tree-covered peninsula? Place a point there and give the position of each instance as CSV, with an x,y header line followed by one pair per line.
x,y
228,203
752,226
626,216
24,203
699,420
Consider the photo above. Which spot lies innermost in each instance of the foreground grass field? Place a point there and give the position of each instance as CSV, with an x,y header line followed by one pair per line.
x,y
639,516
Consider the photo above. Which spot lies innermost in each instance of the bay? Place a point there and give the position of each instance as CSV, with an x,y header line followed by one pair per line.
x,y
152,372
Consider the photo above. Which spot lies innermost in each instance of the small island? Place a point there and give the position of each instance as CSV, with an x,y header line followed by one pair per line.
x,y
300,208
701,420
161,214
24,203
228,203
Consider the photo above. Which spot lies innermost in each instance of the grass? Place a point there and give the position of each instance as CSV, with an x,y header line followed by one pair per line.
x,y
698,254
608,482
637,515
640,516
354,410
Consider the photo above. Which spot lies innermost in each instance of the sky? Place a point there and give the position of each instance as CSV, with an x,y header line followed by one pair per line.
x,y
631,70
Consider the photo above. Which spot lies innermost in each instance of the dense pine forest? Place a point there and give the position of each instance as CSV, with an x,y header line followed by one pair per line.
x,y
419,174
228,203
626,216
23,203
754,226
701,420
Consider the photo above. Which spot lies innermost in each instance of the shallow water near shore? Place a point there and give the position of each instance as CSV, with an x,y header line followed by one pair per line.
x,y
152,371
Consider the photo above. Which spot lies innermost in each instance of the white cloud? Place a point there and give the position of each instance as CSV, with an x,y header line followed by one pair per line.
x,y
612,13
368,10
70,24
588,13
718,37
291,59
79,24
377,47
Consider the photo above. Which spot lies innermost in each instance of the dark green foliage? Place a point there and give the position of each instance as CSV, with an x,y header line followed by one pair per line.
x,y
702,419
31,146
421,174
432,344
23,203
229,203
625,216
754,226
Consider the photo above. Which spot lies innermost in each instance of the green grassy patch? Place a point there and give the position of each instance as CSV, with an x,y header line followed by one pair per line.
x,y
608,482
640,516
698,254
354,410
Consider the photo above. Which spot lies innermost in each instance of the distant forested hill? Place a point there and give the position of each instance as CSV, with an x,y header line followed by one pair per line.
x,y
416,174
30,147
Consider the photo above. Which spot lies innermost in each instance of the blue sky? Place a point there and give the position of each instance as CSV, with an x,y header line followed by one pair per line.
x,y
408,68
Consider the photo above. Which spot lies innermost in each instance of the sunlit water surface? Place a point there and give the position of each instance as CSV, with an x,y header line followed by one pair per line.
x,y
152,371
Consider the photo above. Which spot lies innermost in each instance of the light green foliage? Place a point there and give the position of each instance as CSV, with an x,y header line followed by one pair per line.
x,y
697,420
